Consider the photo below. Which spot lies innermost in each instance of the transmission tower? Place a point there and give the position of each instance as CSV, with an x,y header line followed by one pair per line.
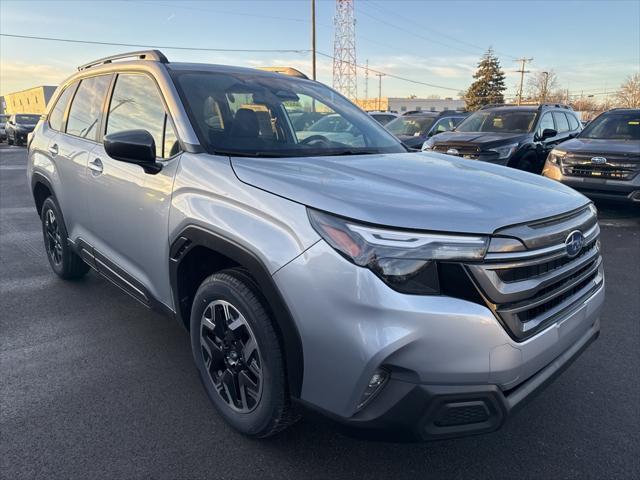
x,y
344,49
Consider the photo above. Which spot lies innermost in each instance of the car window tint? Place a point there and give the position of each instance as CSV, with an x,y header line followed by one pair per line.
x,y
561,122
86,106
444,125
573,122
136,105
56,117
546,122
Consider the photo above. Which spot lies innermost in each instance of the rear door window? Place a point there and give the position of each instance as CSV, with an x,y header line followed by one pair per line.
x,y
56,117
561,122
86,107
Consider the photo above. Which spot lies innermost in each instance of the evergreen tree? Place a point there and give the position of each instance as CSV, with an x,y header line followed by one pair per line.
x,y
488,85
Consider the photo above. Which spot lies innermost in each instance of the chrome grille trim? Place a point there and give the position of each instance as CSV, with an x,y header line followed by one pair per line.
x,y
530,289
618,167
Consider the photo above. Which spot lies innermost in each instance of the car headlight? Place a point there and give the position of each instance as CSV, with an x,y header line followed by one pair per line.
x,y
428,144
506,151
404,260
555,156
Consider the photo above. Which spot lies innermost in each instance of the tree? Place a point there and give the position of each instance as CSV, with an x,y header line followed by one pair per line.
x,y
629,94
488,86
543,87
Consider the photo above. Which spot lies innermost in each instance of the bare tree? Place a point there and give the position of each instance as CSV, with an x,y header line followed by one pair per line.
x,y
629,94
544,87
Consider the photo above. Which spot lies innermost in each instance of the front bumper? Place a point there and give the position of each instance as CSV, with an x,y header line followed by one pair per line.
x,y
431,412
599,188
440,350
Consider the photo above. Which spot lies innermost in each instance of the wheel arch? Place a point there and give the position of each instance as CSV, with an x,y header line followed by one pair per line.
x,y
196,246
41,189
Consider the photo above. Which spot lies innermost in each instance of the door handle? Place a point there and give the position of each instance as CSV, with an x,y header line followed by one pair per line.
x,y
53,149
96,165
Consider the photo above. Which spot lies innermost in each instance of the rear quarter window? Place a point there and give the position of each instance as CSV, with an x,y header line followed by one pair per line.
x,y
56,117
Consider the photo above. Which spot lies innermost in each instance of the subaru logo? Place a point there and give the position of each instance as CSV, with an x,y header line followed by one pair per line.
x,y
574,243
598,160
453,151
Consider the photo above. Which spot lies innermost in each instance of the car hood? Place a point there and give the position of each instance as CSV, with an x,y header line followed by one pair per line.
x,y
596,146
425,191
478,138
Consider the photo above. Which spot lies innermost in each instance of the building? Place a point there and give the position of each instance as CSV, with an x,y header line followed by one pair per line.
x,y
33,100
401,105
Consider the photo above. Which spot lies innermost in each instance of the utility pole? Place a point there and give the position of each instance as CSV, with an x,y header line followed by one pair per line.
x,y
522,71
544,87
366,81
313,38
380,75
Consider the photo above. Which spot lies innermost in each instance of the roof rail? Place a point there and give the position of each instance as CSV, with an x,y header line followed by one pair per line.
x,y
292,72
152,55
555,105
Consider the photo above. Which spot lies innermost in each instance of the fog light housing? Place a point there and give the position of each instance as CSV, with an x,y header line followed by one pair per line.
x,y
376,382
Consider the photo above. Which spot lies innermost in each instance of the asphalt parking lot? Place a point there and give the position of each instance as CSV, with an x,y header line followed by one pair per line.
x,y
93,385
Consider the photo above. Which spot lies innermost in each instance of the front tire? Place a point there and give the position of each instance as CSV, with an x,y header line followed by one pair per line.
x,y
63,260
238,354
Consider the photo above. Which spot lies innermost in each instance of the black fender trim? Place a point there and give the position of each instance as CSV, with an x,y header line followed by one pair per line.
x,y
193,236
36,178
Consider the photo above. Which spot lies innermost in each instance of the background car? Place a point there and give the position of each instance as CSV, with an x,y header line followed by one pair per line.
x,y
515,136
413,128
19,126
603,161
3,133
383,117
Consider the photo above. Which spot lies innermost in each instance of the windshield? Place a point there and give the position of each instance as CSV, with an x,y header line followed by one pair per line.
x,y
614,126
499,122
28,119
247,114
414,126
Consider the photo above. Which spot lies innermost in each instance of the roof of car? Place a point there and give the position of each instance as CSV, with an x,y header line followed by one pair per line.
x,y
623,110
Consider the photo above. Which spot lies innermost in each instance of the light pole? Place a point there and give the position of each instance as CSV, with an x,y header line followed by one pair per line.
x,y
379,75
313,38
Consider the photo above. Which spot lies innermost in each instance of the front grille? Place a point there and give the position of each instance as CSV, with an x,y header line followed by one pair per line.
x,y
530,289
464,150
616,167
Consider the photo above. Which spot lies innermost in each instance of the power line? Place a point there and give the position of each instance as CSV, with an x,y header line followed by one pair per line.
x,y
166,47
522,71
450,37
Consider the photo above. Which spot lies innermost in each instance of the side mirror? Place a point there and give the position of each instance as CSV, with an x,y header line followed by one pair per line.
x,y
548,133
133,146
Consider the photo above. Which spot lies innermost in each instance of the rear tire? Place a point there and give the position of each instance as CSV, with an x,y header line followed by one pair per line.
x,y
63,260
238,354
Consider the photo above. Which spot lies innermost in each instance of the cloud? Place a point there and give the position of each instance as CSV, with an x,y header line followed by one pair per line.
x,y
16,76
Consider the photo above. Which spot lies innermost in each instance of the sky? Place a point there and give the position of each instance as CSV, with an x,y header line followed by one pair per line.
x,y
592,46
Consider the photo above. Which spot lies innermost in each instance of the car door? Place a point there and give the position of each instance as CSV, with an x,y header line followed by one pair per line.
x,y
70,149
130,208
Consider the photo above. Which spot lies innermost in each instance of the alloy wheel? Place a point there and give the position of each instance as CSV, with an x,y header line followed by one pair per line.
x,y
231,356
53,240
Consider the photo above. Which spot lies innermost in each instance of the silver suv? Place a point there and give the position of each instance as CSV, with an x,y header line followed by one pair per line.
x,y
411,292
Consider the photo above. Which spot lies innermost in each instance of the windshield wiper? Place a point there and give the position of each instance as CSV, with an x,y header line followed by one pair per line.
x,y
347,152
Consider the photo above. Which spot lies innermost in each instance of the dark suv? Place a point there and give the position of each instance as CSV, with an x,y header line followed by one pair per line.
x,y
519,137
19,126
413,128
604,160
